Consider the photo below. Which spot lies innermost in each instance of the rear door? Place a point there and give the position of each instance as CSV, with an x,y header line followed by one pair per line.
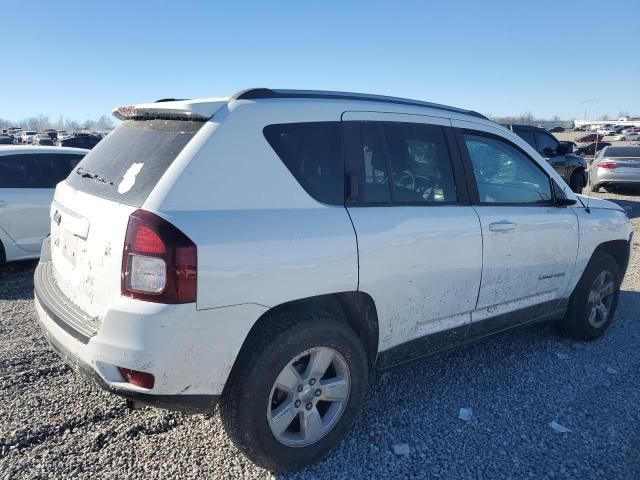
x,y
529,245
27,182
419,243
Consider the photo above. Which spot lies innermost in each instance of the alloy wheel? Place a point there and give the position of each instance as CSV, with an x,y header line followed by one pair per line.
x,y
600,299
308,397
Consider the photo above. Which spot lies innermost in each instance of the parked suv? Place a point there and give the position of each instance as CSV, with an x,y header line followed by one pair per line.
x,y
572,168
271,250
28,176
81,140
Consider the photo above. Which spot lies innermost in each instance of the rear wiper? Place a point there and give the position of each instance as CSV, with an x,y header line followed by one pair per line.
x,y
94,176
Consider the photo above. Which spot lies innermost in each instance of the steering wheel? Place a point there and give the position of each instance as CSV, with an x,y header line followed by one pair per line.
x,y
404,175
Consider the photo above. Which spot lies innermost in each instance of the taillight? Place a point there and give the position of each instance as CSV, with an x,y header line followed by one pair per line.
x,y
608,164
158,262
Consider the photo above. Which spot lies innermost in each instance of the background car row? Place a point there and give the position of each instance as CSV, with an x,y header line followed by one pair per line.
x,y
50,137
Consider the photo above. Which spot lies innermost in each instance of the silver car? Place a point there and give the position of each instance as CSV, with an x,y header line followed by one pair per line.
x,y
615,165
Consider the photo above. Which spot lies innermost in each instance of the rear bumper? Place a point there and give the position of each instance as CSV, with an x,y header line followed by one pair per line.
x,y
190,352
183,403
602,176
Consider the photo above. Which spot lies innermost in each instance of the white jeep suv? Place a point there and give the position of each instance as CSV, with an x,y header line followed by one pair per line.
x,y
270,251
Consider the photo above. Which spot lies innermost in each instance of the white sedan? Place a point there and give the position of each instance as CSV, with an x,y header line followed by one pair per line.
x,y
28,177
627,137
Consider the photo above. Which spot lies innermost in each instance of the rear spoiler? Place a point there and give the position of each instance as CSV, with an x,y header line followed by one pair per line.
x,y
201,109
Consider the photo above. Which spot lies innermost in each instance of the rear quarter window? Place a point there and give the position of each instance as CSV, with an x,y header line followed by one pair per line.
x,y
132,159
313,154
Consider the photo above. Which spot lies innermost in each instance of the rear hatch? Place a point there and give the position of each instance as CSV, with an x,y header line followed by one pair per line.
x,y
91,208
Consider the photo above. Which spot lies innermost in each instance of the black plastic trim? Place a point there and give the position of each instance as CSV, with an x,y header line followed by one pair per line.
x,y
469,333
60,308
267,93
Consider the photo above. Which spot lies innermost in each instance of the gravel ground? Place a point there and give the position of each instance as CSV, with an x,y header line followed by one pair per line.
x,y
56,425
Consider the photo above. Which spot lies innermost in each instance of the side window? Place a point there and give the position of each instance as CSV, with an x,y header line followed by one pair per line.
x,y
547,144
313,154
12,172
32,170
406,163
45,170
421,169
504,174
527,136
72,161
376,170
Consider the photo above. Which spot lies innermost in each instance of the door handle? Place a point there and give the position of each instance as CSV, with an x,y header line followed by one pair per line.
x,y
503,226
3,203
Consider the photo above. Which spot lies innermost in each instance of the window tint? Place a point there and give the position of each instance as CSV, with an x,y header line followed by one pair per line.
x,y
407,163
376,171
504,174
420,166
38,170
546,142
313,154
527,136
625,151
142,150
73,160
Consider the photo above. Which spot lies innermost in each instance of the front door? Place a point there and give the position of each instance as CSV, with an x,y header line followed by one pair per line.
x,y
419,242
529,245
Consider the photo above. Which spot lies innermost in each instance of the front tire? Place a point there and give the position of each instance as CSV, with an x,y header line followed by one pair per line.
x,y
594,300
295,390
575,182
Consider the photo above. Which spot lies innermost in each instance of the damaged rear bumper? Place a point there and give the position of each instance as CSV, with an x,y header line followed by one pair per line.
x,y
183,403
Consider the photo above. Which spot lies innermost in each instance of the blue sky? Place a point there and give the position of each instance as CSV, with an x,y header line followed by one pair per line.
x,y
80,59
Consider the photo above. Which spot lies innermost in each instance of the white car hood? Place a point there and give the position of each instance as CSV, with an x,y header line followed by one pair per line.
x,y
595,202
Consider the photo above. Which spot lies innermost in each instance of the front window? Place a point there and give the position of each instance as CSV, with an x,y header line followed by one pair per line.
x,y
504,174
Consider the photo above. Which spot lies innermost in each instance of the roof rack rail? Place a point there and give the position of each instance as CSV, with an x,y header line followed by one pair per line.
x,y
263,93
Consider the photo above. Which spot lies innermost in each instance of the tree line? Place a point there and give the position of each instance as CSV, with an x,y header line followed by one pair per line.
x,y
43,122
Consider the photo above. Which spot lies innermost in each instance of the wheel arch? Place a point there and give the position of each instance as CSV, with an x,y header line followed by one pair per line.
x,y
577,168
355,308
618,249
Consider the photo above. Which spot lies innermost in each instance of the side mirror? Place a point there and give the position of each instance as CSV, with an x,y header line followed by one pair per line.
x,y
563,202
559,198
548,152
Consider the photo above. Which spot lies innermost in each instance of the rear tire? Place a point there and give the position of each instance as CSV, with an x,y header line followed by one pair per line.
x,y
263,396
575,182
594,300
595,188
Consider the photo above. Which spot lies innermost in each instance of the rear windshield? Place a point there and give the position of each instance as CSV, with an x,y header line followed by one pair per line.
x,y
130,161
623,152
